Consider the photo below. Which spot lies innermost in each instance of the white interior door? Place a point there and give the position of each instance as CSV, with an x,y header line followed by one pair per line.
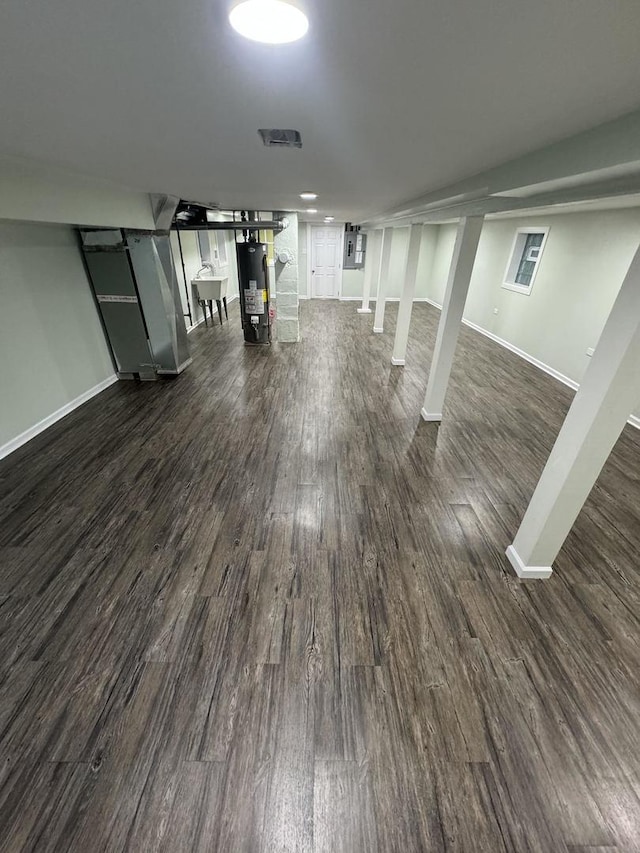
x,y
326,261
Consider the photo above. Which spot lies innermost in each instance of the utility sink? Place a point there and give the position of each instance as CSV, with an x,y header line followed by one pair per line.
x,y
211,287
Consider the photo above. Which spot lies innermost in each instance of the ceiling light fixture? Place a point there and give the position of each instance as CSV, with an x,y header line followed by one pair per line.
x,y
329,218
308,196
269,21
311,210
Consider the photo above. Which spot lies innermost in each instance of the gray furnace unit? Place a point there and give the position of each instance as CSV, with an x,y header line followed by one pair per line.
x,y
133,277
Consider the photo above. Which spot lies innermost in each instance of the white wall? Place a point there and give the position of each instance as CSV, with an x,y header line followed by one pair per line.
x,y
352,284
193,262
353,280
232,264
585,259
52,347
303,260
33,193
191,257
426,260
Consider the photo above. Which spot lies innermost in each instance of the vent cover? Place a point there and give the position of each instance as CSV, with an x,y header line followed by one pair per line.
x,y
274,138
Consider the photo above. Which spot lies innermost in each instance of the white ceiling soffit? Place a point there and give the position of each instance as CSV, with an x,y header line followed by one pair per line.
x,y
599,163
623,170
393,99
586,206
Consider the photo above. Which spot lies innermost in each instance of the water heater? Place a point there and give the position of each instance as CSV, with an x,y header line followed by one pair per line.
x,y
254,292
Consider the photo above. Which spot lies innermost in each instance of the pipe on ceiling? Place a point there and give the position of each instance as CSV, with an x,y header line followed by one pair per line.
x,y
254,225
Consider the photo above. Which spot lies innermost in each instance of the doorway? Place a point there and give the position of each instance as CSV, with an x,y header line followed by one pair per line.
x,y
326,261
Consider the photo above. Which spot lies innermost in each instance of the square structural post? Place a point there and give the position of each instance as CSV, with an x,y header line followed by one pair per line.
x,y
408,292
464,255
383,281
371,266
607,396
286,275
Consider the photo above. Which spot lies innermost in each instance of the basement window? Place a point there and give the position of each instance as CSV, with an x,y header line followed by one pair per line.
x,y
526,253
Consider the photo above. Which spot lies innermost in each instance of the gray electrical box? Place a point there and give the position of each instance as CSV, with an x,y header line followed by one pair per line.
x,y
135,284
355,248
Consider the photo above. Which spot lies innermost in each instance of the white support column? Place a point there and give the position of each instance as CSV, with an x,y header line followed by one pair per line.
x,y
383,281
608,394
408,292
464,254
371,267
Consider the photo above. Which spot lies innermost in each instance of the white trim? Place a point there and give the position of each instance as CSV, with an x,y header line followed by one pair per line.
x,y
195,325
525,355
523,571
509,284
388,299
427,416
378,331
51,419
201,320
363,310
309,274
397,362
398,298
341,261
310,228
633,420
518,288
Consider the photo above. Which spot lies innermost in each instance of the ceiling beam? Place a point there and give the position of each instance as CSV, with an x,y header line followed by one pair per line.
x,y
598,163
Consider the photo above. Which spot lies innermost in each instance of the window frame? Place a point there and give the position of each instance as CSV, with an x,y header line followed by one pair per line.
x,y
513,264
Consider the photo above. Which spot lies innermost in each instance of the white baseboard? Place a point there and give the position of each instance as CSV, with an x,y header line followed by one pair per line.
x,y
51,419
195,325
215,311
397,299
429,416
546,368
633,421
526,571
387,299
60,413
398,362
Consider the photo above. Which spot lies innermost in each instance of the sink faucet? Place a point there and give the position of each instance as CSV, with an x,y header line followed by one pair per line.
x,y
206,265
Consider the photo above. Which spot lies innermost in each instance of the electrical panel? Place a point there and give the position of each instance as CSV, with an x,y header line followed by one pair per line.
x,y
355,247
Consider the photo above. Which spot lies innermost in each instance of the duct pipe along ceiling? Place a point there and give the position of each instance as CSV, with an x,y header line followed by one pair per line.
x,y
193,217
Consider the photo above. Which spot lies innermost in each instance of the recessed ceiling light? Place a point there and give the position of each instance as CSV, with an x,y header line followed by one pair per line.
x,y
329,218
269,21
308,196
311,210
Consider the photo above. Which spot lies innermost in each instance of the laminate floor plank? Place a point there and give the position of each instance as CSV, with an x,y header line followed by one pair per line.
x,y
264,607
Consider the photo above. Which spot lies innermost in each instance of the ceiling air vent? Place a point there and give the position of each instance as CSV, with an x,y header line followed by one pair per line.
x,y
274,138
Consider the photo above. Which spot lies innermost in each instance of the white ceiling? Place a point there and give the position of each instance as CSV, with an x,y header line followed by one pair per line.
x,y
393,97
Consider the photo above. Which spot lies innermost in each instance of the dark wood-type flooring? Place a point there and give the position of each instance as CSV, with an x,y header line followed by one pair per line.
x,y
264,607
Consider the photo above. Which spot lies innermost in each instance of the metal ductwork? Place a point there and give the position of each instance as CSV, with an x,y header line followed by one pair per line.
x,y
164,208
191,216
133,277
